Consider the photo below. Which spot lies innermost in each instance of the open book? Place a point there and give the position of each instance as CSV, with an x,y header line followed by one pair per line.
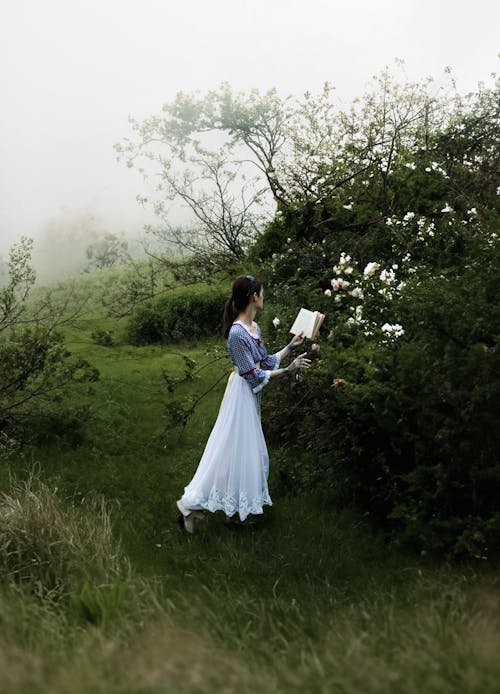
x,y
309,322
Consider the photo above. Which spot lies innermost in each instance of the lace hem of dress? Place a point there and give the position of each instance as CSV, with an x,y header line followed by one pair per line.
x,y
231,504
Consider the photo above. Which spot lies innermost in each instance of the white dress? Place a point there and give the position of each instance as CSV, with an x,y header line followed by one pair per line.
x,y
233,471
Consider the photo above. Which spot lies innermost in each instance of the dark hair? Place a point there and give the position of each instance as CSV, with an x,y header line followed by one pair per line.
x,y
243,288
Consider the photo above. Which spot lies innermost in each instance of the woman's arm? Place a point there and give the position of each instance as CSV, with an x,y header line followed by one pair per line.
x,y
300,362
296,341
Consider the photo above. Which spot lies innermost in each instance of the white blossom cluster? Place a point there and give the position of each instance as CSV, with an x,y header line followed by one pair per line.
x,y
393,331
371,279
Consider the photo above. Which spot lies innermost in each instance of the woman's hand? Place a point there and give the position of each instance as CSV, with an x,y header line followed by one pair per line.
x,y
299,362
297,340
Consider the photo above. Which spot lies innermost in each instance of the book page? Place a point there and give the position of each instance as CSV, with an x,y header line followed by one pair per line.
x,y
305,322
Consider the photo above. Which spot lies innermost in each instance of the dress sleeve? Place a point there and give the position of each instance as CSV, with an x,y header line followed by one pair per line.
x,y
240,349
271,361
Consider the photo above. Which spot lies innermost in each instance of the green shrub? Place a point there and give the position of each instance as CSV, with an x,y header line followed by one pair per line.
x,y
414,436
187,313
104,338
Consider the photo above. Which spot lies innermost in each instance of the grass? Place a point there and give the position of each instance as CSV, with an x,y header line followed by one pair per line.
x,y
312,599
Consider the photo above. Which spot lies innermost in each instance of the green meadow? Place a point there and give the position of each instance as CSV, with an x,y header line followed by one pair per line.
x,y
102,591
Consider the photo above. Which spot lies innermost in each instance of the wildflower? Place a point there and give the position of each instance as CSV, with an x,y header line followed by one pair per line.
x,y
370,269
411,165
447,208
408,216
348,207
348,270
276,322
315,347
328,292
472,211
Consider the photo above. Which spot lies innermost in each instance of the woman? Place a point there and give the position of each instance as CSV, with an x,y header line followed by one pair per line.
x,y
233,471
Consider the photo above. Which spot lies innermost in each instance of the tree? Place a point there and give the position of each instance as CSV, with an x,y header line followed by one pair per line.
x,y
107,250
34,362
302,152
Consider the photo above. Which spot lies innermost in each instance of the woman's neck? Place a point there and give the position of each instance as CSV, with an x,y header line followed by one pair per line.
x,y
247,315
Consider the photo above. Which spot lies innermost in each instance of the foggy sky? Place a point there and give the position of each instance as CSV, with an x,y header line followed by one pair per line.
x,y
71,71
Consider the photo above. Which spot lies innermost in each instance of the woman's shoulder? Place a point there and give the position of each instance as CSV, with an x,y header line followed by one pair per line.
x,y
237,331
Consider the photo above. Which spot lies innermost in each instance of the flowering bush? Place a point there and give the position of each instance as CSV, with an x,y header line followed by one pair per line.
x,y
403,260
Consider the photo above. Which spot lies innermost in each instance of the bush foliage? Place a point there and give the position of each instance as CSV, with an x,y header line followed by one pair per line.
x,y
181,314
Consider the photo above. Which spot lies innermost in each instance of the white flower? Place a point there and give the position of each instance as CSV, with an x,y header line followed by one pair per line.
x,y
370,269
276,322
447,208
338,299
472,211
411,165
498,190
387,276
408,216
328,292
348,270
347,207
357,293
395,330
336,284
388,222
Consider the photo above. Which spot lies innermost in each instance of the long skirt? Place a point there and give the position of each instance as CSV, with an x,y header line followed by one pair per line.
x,y
232,473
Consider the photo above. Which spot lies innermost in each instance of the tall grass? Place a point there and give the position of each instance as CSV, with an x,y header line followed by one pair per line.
x,y
51,545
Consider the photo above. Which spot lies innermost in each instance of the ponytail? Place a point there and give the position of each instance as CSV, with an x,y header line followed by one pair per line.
x,y
229,316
